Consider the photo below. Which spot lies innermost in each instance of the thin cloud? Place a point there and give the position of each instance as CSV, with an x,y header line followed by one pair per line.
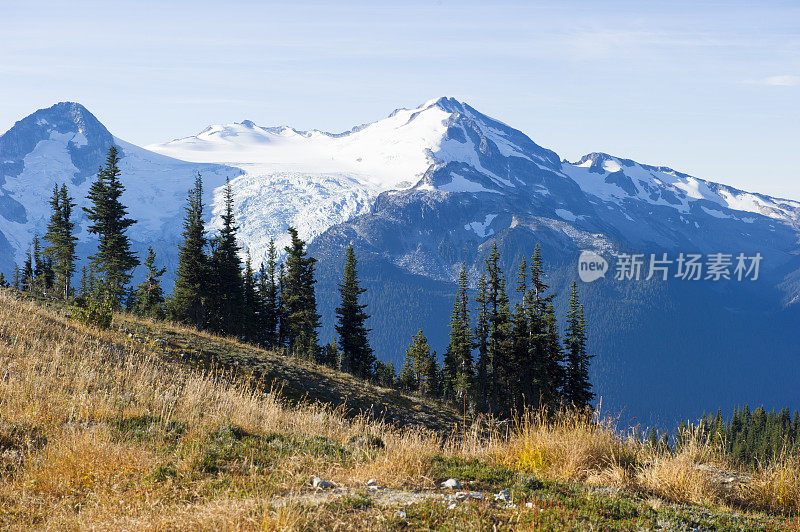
x,y
780,81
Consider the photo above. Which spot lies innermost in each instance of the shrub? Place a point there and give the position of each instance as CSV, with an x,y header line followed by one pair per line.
x,y
95,314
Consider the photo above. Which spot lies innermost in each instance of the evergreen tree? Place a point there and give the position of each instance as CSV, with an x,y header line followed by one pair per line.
x,y
226,286
3,282
17,277
407,380
431,382
538,378
27,273
652,438
329,355
83,289
107,217
577,388
48,274
189,303
269,297
37,258
524,394
482,343
357,356
553,369
60,235
37,282
299,299
416,365
505,376
149,296
252,303
457,369
500,362
384,373
283,322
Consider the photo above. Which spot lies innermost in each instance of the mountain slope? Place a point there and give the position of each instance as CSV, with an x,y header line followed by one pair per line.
x,y
118,430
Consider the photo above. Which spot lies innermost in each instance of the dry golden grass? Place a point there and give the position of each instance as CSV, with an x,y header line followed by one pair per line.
x,y
676,475
777,486
65,389
570,447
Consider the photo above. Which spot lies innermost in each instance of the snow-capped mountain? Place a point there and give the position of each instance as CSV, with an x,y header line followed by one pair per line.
x,y
67,144
314,179
427,189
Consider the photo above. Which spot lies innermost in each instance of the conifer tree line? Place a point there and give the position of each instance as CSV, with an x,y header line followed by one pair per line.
x,y
508,359
752,437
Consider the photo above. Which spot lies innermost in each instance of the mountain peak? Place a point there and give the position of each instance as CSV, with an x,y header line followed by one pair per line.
x,y
62,117
446,103
83,136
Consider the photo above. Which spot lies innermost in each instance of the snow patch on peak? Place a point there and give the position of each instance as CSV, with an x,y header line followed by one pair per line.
x,y
611,166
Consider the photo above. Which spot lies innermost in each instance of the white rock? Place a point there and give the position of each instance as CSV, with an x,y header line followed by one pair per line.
x,y
476,495
529,504
462,495
372,482
321,484
451,484
402,514
503,495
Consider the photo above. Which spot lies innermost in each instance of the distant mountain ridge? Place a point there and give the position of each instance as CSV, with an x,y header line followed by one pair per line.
x,y
427,189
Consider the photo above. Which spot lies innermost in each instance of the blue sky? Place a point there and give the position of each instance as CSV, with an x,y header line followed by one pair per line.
x,y
709,88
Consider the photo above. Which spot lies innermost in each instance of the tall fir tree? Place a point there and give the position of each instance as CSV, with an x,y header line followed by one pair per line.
x,y
269,297
524,394
3,282
283,320
108,220
16,277
39,278
62,240
431,385
499,355
27,272
534,373
189,302
577,388
356,354
553,373
226,284
482,343
252,303
299,299
149,296
457,369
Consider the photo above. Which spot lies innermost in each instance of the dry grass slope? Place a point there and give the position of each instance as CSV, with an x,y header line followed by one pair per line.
x,y
110,430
